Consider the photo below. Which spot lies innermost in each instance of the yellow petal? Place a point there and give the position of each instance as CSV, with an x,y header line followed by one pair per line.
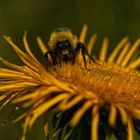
x,y
13,66
27,46
131,52
112,115
103,52
83,34
43,47
45,107
136,113
66,105
25,127
123,53
123,114
80,112
130,130
135,63
91,43
117,49
95,123
46,129
17,86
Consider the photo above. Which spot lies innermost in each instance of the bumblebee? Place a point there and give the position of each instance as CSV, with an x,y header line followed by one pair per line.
x,y
64,46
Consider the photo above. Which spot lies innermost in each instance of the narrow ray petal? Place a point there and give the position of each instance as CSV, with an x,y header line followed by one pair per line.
x,y
7,101
45,106
46,129
80,112
83,34
91,43
25,127
43,47
94,123
10,65
38,93
26,45
131,52
135,63
64,86
123,53
130,129
112,115
103,52
82,40
136,113
117,49
123,114
17,86
8,39
66,105
2,97
28,60
9,71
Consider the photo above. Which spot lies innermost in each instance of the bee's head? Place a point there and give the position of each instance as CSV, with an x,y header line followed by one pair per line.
x,y
62,37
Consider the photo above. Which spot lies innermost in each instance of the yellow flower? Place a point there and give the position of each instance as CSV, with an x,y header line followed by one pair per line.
x,y
107,91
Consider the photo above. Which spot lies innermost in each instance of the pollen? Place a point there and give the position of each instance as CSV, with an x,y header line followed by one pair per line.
x,y
108,82
106,93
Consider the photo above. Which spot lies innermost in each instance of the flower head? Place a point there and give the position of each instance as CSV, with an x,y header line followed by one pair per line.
x,y
106,94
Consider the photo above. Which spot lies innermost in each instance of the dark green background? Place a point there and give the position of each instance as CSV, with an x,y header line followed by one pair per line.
x,y
108,18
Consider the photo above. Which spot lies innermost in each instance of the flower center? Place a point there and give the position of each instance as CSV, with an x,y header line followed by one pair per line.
x,y
110,82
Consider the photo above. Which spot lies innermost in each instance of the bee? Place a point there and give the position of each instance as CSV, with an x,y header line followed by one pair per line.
x,y
64,46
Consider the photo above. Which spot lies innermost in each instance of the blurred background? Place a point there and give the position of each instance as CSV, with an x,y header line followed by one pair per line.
x,y
114,19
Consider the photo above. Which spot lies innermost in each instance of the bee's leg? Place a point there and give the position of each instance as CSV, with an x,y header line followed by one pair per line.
x,y
93,60
84,61
73,57
53,57
84,51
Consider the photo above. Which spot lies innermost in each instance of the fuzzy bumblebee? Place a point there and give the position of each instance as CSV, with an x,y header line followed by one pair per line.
x,y
64,46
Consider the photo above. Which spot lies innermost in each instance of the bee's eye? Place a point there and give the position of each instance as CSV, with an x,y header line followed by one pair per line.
x,y
63,44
